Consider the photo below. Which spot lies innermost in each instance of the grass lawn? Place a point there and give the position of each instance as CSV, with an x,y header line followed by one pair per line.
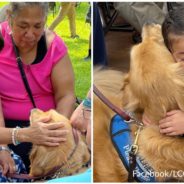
x,y
78,47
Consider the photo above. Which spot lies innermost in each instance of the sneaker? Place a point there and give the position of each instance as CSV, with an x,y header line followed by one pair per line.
x,y
75,36
88,58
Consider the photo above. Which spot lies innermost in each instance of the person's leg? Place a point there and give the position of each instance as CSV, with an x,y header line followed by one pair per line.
x,y
139,13
72,18
65,6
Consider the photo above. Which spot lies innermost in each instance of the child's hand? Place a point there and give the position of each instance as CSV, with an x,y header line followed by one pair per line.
x,y
173,123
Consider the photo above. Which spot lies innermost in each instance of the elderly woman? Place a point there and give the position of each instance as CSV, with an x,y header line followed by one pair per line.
x,y
35,71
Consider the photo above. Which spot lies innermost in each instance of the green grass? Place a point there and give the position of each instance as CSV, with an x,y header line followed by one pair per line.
x,y
3,3
78,47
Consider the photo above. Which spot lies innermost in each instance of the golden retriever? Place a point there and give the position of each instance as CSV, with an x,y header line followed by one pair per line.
x,y
153,86
70,158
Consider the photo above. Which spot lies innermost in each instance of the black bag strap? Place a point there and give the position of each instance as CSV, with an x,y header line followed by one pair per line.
x,y
1,39
23,75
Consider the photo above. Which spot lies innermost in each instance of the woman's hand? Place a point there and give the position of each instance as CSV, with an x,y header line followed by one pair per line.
x,y
43,133
173,123
7,163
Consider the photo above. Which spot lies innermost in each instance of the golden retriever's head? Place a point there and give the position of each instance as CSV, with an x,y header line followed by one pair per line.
x,y
152,76
152,31
43,158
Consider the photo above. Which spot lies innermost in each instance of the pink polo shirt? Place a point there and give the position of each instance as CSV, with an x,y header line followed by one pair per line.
x,y
16,103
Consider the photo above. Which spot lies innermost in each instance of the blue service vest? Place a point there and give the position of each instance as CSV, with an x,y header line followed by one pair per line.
x,y
121,138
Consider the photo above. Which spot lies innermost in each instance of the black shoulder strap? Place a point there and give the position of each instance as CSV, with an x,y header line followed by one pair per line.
x,y
23,75
1,39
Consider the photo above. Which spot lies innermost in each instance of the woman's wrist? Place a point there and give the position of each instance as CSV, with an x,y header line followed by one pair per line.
x,y
23,135
14,136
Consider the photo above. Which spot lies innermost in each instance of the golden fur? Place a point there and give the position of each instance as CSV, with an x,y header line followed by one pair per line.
x,y
44,159
154,85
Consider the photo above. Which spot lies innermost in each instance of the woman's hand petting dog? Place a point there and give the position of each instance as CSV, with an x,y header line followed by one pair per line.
x,y
7,164
173,123
41,133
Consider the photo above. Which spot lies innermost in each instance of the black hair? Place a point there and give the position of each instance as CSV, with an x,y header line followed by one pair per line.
x,y
173,23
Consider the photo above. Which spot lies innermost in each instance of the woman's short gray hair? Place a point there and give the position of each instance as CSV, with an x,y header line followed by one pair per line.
x,y
15,7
